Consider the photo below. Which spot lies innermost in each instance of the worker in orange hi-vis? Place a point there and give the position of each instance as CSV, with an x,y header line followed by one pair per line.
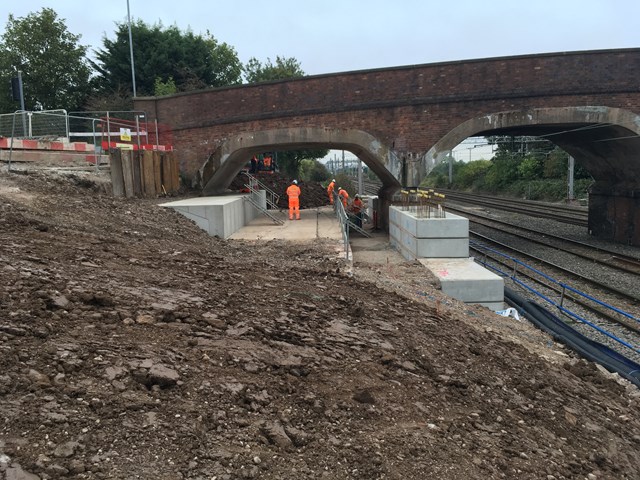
x,y
267,162
343,196
330,188
356,208
293,192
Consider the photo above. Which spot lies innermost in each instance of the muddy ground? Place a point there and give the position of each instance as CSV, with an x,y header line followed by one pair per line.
x,y
132,345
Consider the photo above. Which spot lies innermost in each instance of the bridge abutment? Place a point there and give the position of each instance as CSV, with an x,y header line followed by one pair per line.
x,y
614,214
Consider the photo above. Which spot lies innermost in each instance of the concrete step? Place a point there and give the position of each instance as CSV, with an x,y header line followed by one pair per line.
x,y
465,280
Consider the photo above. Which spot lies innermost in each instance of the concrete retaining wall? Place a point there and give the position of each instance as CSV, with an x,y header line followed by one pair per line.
x,y
220,216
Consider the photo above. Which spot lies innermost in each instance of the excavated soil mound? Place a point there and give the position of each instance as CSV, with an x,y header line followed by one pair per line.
x,y
313,193
133,345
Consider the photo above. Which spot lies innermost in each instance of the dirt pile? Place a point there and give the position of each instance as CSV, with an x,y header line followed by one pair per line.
x,y
133,345
313,193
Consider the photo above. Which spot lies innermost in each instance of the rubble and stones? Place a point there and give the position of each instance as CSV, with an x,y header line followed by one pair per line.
x,y
133,345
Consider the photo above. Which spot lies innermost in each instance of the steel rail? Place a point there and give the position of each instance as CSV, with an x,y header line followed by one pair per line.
x,y
608,288
574,298
623,262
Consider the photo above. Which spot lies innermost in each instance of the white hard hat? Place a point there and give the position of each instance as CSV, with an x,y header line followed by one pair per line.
x,y
295,182
333,180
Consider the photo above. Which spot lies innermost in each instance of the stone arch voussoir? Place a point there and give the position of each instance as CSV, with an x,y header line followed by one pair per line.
x,y
233,153
522,118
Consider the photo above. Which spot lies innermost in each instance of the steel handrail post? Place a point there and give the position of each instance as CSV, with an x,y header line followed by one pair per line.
x,y
108,130
346,228
95,149
137,130
13,131
157,135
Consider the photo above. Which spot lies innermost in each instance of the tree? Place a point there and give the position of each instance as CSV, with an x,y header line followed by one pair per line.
x,y
314,171
531,168
165,55
290,161
161,88
118,100
503,171
254,71
55,71
471,173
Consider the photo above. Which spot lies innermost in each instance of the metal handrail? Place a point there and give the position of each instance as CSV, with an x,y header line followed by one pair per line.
x,y
252,186
272,197
263,210
342,218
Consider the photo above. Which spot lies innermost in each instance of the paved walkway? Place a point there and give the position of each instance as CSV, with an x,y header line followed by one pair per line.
x,y
314,223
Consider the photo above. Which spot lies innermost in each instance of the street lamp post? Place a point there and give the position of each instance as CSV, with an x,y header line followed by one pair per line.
x,y
133,68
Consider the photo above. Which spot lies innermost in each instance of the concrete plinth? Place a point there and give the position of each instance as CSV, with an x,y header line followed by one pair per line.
x,y
418,237
219,216
441,244
465,280
614,214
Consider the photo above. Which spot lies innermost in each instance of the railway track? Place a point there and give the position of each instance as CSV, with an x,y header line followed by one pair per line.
x,y
556,268
565,213
370,187
603,256
603,272
616,328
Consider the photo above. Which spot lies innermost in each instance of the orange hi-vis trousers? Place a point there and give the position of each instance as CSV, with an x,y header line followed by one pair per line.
x,y
294,208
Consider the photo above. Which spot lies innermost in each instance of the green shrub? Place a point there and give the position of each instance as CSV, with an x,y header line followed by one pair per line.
x,y
344,181
470,174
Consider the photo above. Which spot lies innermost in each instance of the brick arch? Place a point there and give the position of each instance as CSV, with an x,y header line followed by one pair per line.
x,y
605,140
409,109
234,152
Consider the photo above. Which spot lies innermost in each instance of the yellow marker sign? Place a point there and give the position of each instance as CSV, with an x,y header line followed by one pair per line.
x,y
125,134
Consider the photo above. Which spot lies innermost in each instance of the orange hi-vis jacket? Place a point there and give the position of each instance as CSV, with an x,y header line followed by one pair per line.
x,y
330,188
344,196
293,192
357,205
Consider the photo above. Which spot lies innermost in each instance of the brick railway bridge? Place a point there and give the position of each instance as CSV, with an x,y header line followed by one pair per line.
x,y
401,121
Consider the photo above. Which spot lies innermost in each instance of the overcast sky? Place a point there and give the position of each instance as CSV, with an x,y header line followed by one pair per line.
x,y
328,36
340,35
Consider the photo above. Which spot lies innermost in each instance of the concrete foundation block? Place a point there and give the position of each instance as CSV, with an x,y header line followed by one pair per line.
x,y
218,216
465,280
443,248
449,226
446,237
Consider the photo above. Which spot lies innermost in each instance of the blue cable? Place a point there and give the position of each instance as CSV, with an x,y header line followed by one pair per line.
x,y
558,306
